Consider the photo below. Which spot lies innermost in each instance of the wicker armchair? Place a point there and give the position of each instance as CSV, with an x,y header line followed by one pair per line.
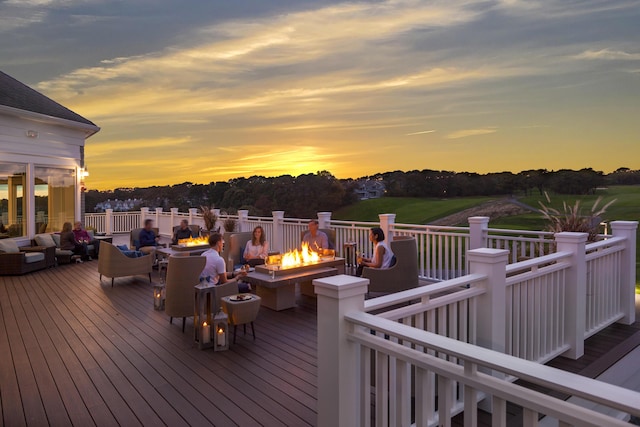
x,y
113,263
403,275
183,273
16,260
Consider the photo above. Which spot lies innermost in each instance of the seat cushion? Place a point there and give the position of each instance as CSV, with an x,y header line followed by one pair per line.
x,y
56,239
64,252
31,257
44,240
9,246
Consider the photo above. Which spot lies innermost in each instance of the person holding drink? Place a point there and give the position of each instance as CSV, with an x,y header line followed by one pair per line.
x,y
382,253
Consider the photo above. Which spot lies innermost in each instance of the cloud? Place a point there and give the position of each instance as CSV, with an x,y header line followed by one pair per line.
x,y
470,132
609,55
420,132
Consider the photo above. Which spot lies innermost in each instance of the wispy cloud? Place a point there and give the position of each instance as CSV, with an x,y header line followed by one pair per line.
x,y
609,54
470,132
420,132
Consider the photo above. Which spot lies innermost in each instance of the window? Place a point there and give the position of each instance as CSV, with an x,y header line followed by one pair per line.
x,y
12,200
54,198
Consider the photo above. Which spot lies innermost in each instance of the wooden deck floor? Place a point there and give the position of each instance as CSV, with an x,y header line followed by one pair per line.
x,y
79,352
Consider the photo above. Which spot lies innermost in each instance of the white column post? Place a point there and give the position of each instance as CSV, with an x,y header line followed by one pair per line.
x,y
144,213
193,214
628,230
386,223
478,233
218,222
243,219
575,290
157,220
277,238
108,222
174,215
324,219
490,324
338,358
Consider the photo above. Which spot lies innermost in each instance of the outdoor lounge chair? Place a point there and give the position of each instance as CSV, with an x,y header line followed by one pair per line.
x,y
183,273
113,263
401,276
16,260
236,242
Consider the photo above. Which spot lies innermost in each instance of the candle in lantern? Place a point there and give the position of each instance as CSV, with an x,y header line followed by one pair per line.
x,y
206,333
221,337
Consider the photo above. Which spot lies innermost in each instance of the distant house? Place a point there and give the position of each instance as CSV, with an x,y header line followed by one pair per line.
x,y
41,161
369,189
118,205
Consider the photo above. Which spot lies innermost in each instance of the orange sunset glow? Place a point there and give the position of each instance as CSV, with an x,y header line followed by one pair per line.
x,y
221,91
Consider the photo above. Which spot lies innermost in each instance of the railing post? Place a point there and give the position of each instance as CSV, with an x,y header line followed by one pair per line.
x,y
478,226
218,224
243,219
174,214
278,232
627,229
108,222
144,212
156,221
386,223
490,324
338,358
193,214
324,219
575,308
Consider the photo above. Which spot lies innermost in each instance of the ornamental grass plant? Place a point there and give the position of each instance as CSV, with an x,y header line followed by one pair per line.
x,y
571,217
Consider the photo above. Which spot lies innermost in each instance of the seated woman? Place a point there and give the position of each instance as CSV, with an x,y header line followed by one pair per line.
x,y
68,242
382,254
257,248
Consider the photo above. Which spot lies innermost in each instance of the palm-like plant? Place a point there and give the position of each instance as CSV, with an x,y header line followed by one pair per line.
x,y
571,218
209,217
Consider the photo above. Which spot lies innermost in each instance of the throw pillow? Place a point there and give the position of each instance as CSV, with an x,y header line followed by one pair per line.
x,y
9,246
44,240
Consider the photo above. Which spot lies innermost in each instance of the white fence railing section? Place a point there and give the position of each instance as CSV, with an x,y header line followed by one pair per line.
x,y
504,302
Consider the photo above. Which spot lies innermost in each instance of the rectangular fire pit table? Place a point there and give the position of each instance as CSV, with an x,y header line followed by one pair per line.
x,y
279,292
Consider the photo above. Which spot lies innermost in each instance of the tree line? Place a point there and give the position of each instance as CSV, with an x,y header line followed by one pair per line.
x,y
304,195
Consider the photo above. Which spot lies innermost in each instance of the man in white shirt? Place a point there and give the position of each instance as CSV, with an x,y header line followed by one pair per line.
x,y
215,269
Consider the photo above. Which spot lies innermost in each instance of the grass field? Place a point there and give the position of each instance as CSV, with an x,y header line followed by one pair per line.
x,y
424,211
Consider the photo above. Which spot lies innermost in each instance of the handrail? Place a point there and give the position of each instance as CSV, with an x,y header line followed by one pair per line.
x,y
556,379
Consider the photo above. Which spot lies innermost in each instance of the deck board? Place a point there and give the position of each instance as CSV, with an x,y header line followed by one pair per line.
x,y
77,351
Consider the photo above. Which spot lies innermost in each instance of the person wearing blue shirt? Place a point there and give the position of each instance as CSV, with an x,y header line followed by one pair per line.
x,y
147,239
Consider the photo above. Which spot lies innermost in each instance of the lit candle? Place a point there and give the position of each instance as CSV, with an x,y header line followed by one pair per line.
x,y
157,298
221,337
206,333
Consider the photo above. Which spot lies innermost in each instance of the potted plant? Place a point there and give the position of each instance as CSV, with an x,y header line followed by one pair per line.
x,y
229,225
210,219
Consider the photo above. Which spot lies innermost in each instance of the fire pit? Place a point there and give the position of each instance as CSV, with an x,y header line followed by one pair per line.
x,y
296,261
191,244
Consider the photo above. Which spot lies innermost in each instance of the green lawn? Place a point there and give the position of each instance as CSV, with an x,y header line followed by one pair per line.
x,y
408,210
423,210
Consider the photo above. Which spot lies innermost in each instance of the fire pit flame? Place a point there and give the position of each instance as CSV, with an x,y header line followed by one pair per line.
x,y
296,258
198,241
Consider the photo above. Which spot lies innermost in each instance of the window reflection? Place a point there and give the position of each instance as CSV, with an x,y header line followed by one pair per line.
x,y
54,198
12,200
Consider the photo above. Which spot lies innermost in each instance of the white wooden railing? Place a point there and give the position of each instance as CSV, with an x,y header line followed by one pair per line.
x,y
415,362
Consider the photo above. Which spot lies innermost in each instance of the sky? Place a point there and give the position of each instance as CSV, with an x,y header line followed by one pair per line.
x,y
205,91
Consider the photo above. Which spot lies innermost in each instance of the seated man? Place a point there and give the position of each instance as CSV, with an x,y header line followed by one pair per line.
x,y
183,232
316,239
215,269
148,239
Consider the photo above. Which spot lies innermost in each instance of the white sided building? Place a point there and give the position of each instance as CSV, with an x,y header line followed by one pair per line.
x,y
41,161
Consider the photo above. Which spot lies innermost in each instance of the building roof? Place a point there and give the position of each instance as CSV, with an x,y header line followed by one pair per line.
x,y
18,95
